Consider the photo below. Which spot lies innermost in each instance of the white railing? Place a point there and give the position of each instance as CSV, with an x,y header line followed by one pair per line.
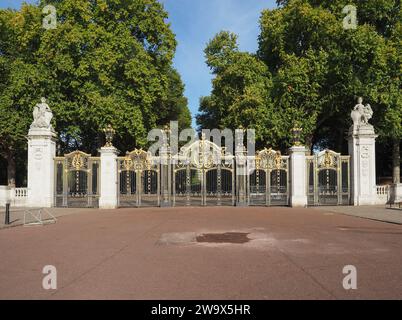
x,y
16,196
20,193
383,194
383,190
19,196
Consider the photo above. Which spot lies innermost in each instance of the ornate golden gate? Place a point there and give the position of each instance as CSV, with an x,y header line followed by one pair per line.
x,y
139,178
268,182
76,180
328,175
203,174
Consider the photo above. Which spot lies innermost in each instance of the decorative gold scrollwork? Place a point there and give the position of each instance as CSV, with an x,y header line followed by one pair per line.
x,y
127,163
278,160
77,162
269,159
328,160
203,155
136,160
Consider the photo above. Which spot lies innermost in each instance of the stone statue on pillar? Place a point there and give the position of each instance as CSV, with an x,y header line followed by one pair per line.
x,y
361,113
41,154
362,152
42,116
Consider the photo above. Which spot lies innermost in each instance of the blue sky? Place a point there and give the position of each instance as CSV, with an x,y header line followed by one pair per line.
x,y
195,22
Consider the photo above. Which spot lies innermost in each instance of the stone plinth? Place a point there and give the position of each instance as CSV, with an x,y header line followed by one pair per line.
x,y
4,195
298,183
41,180
396,193
109,179
363,171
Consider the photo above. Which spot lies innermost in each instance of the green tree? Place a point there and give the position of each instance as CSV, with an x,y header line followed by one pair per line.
x,y
21,79
365,61
336,65
314,71
241,88
106,62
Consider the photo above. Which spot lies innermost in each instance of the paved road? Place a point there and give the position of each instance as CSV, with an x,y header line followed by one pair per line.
x,y
381,213
153,254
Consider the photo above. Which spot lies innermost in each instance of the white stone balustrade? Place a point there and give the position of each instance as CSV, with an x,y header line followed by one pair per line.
x,y
15,196
383,190
383,194
20,193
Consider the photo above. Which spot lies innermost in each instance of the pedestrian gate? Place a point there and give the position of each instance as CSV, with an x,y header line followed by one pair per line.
x,y
76,180
328,179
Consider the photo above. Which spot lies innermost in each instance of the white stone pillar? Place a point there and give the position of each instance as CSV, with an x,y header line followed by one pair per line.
x,y
362,160
241,178
241,169
108,178
165,176
298,179
41,153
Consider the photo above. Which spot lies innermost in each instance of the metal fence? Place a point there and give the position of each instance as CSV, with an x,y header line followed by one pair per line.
x,y
202,174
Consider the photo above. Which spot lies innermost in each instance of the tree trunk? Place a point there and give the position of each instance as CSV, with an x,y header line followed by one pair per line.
x,y
396,161
341,138
309,144
11,169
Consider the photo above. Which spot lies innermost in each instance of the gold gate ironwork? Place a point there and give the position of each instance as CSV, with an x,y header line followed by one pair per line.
x,y
76,180
268,182
139,179
328,177
203,174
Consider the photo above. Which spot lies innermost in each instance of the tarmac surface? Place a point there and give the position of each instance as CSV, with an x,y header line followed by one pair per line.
x,y
203,253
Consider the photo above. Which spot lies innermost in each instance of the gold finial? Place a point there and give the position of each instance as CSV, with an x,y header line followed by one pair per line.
x,y
109,134
296,134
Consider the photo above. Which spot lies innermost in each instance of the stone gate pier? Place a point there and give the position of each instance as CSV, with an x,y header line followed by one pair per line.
x,y
41,154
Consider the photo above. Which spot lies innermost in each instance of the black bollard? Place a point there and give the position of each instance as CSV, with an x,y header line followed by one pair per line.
x,y
7,219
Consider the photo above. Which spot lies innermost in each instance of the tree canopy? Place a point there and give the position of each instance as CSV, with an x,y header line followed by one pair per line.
x,y
310,69
240,89
105,62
